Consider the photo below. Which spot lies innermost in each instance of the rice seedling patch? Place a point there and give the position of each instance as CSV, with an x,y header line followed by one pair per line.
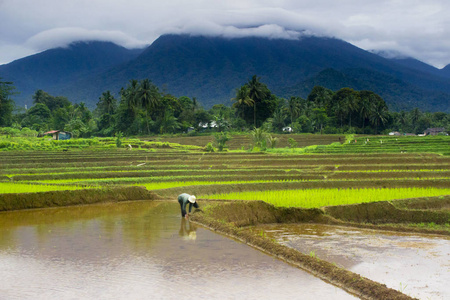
x,y
311,198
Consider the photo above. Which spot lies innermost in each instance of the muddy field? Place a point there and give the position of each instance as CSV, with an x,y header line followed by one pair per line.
x,y
165,173
389,262
415,264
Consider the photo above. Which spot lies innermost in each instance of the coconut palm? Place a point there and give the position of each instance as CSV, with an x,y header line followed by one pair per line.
x,y
350,104
257,91
147,97
378,114
168,122
242,98
367,98
107,104
294,108
130,95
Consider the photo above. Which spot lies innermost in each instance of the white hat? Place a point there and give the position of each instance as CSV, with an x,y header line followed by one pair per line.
x,y
191,199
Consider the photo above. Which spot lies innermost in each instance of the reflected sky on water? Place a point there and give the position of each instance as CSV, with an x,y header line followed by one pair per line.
x,y
138,250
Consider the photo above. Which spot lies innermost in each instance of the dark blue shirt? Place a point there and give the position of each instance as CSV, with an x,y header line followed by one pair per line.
x,y
183,199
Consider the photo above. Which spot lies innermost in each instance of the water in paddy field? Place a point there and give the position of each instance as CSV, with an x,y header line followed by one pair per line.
x,y
138,250
417,265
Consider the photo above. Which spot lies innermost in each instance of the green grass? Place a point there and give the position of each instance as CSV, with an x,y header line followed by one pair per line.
x,y
310,198
8,143
8,188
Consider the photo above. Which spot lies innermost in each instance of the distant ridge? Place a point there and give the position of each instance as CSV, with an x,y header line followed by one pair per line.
x,y
54,68
211,68
446,70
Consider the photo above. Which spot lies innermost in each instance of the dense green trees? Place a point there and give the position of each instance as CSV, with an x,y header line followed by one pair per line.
x,y
105,113
254,102
6,103
143,109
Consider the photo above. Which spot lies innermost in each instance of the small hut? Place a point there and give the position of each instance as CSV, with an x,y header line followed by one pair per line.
x,y
59,135
434,131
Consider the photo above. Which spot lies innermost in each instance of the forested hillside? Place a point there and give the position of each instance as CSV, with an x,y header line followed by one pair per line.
x,y
210,69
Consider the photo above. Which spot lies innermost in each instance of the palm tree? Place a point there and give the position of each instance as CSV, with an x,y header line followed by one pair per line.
x,y
294,108
403,120
365,105
350,104
257,92
415,116
107,104
320,117
147,97
169,123
242,98
339,110
378,114
129,95
278,119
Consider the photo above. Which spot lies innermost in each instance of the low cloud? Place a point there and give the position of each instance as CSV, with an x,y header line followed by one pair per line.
x,y
62,37
411,27
271,31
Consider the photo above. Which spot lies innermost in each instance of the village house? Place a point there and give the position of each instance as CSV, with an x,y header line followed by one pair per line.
x,y
434,131
59,135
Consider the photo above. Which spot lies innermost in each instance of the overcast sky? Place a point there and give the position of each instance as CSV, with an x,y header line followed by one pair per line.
x,y
416,28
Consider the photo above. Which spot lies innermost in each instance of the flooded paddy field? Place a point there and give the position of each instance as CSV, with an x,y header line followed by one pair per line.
x,y
145,250
138,250
415,264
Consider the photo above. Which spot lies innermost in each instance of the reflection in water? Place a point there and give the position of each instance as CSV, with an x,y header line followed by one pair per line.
x,y
416,264
187,230
137,250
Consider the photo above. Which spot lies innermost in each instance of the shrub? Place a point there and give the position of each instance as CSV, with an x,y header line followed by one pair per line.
x,y
118,139
209,148
292,143
271,141
221,139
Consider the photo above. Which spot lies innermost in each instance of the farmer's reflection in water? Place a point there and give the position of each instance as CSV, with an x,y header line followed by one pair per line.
x,y
187,230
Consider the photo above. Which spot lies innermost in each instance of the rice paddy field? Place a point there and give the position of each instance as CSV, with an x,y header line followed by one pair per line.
x,y
340,175
361,169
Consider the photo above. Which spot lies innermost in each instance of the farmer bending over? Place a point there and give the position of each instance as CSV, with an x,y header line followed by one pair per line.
x,y
184,199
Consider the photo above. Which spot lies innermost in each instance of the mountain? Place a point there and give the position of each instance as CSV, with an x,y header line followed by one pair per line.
x,y
446,70
417,65
211,68
397,93
52,69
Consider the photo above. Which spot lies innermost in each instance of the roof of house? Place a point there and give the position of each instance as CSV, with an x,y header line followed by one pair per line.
x,y
52,131
436,129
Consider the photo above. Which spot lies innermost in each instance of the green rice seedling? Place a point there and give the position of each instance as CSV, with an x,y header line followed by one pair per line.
x,y
310,198
403,287
7,187
167,185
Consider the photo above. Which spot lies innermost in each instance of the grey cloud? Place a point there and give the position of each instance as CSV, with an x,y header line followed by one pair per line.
x,y
61,37
212,29
412,27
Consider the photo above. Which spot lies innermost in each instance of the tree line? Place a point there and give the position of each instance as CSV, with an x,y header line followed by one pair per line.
x,y
143,109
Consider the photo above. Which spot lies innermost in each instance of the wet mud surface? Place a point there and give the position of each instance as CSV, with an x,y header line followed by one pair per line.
x,y
138,250
417,265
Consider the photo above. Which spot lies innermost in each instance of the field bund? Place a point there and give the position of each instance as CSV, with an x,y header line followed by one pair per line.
x,y
78,177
